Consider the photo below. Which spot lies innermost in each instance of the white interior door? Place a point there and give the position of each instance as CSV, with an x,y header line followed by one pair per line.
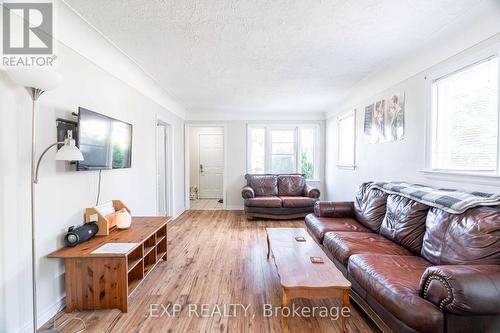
x,y
211,168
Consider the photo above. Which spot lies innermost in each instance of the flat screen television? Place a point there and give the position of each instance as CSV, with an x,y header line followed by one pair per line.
x,y
105,142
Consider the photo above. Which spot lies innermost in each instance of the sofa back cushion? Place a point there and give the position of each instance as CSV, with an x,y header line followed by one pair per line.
x,y
469,238
291,185
369,206
263,185
404,222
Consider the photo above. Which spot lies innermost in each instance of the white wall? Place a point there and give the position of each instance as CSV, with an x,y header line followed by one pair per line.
x,y
62,194
236,154
194,150
401,160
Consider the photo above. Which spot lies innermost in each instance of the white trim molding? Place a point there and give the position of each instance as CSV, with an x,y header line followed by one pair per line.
x,y
462,177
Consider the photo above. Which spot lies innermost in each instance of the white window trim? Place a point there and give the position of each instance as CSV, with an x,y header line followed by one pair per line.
x,y
267,158
454,175
339,118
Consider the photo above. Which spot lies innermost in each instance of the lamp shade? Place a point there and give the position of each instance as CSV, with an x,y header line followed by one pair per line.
x,y
69,152
42,79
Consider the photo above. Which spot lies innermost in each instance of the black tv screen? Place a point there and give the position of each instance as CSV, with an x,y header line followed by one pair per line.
x,y
105,142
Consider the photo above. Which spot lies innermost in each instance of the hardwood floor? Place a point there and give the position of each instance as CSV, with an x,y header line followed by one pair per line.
x,y
205,204
215,258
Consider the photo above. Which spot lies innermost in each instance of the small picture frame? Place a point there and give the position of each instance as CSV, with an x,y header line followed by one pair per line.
x,y
300,239
317,260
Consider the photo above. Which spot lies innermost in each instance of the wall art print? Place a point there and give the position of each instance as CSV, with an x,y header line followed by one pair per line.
x,y
385,120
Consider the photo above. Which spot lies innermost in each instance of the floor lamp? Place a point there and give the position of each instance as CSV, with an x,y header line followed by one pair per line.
x,y
36,82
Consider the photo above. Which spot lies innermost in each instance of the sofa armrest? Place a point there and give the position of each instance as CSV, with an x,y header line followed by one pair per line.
x,y
311,192
463,289
333,209
247,192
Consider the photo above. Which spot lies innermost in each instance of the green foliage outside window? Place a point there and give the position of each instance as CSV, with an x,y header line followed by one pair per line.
x,y
306,166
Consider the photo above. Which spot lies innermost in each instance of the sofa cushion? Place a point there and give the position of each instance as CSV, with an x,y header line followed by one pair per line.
x,y
393,281
404,222
291,185
469,238
344,244
268,202
369,206
298,201
263,185
318,226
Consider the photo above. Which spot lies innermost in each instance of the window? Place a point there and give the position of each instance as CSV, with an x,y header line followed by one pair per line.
x,y
347,140
464,119
258,152
283,149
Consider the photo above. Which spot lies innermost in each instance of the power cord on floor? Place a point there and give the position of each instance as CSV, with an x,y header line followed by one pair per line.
x,y
66,321
98,189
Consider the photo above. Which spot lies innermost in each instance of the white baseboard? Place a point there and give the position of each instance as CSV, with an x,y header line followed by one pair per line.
x,y
234,207
179,213
44,316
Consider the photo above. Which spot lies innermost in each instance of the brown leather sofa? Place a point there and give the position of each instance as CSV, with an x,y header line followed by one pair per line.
x,y
415,268
278,196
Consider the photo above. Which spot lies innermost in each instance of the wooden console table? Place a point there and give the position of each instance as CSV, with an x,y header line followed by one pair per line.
x,y
101,281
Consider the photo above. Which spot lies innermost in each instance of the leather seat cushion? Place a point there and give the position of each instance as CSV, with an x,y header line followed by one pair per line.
x,y
269,202
318,226
394,282
344,244
291,185
263,185
404,222
369,206
468,238
298,201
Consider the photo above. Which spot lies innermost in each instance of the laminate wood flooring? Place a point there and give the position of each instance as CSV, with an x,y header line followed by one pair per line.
x,y
216,258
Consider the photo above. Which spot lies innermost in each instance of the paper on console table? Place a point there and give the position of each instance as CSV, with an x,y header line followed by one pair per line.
x,y
115,248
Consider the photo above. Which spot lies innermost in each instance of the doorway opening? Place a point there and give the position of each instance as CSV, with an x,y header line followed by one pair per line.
x,y
164,180
206,164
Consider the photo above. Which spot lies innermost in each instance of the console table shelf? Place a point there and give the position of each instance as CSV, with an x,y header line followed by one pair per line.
x,y
100,281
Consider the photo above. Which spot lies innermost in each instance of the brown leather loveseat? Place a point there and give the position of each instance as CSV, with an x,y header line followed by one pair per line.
x,y
415,268
278,196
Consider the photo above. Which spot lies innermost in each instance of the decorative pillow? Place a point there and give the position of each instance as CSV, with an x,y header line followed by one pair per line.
x,y
291,185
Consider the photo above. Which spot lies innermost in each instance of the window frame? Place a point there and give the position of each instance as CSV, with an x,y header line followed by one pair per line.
x,y
268,127
431,115
339,119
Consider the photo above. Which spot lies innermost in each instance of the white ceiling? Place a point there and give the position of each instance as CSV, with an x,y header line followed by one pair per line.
x,y
268,56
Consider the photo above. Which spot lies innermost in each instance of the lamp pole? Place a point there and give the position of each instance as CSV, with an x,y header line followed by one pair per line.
x,y
34,94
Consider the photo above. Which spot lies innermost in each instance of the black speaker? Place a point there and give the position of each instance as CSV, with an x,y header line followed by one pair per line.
x,y
80,234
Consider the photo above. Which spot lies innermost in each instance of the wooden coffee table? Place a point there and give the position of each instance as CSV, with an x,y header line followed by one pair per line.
x,y
299,277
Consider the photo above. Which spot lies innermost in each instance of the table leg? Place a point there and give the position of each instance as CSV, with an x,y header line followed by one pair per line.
x,y
345,303
268,247
285,303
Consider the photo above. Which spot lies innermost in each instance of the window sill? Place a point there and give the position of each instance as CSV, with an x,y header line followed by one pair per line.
x,y
346,167
463,177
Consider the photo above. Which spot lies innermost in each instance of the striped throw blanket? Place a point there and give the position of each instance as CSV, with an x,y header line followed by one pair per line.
x,y
451,201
